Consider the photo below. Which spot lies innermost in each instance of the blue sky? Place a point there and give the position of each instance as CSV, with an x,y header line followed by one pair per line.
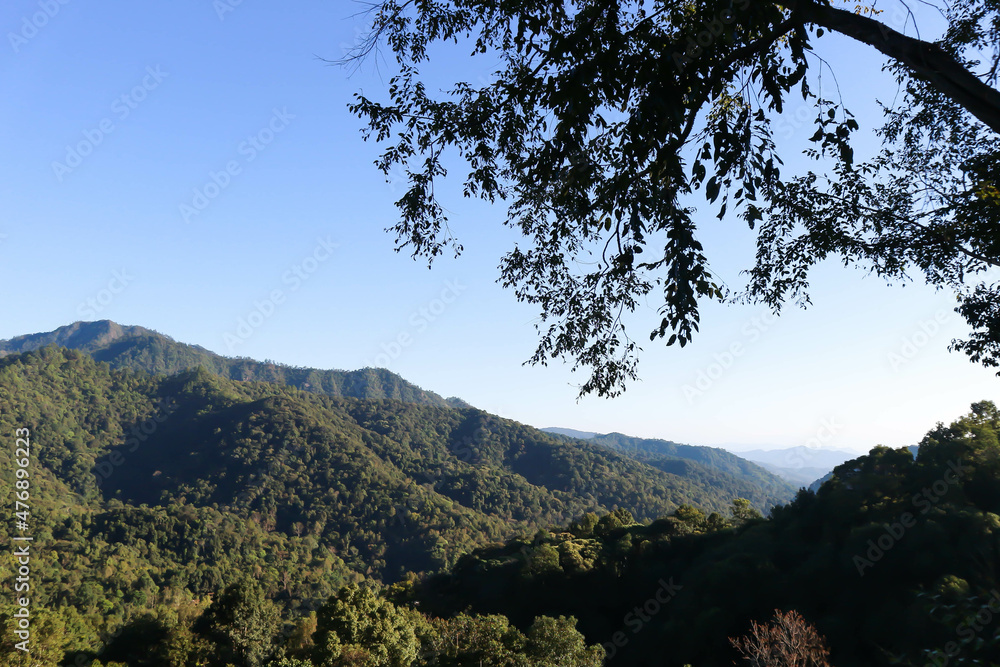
x,y
190,165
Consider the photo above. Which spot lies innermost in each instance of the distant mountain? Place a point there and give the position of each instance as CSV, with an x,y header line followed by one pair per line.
x,y
799,457
569,432
138,348
804,476
802,466
741,478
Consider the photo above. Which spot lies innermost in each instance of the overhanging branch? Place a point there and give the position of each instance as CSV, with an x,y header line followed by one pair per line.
x,y
926,60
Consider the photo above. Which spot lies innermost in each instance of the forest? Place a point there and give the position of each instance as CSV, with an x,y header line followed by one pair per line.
x,y
190,519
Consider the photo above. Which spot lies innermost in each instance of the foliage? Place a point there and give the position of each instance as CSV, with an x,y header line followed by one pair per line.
x,y
603,120
241,623
241,525
359,623
152,494
891,561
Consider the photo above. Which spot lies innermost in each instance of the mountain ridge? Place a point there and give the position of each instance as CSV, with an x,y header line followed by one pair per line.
x,y
747,479
138,348
389,486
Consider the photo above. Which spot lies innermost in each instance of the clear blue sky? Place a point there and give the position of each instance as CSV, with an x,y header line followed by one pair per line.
x,y
117,115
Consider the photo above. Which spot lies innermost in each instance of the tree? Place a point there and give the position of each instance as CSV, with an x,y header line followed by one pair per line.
x,y
242,623
555,642
358,627
692,516
605,118
786,641
743,511
489,641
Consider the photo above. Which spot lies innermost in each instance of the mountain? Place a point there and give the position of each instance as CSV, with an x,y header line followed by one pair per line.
x,y
570,432
138,348
799,457
192,519
802,466
385,486
741,478
800,477
152,493
893,561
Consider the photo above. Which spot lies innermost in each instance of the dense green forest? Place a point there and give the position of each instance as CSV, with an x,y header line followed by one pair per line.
x,y
190,519
749,480
895,560
152,493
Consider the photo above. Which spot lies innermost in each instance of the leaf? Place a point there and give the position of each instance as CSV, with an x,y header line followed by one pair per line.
x,y
712,189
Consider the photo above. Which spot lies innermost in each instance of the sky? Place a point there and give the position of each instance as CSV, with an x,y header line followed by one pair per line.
x,y
191,167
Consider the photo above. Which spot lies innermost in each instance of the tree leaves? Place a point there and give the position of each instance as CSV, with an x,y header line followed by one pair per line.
x,y
610,111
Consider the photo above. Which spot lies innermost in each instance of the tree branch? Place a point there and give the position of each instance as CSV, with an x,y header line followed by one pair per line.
x,y
926,60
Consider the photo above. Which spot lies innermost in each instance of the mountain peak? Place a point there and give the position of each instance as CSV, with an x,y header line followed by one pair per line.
x,y
83,336
138,348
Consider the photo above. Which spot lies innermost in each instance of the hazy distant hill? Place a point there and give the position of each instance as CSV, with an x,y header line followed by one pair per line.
x,y
570,432
138,348
799,457
804,476
800,465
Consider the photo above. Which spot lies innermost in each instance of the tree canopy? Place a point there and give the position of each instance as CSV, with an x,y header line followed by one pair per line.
x,y
605,120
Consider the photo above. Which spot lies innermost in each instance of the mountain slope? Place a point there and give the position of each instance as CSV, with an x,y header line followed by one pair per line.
x,y
385,486
138,348
894,560
741,478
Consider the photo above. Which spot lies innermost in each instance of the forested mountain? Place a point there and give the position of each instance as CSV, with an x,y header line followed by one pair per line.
x,y
894,559
194,520
163,489
742,478
138,348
